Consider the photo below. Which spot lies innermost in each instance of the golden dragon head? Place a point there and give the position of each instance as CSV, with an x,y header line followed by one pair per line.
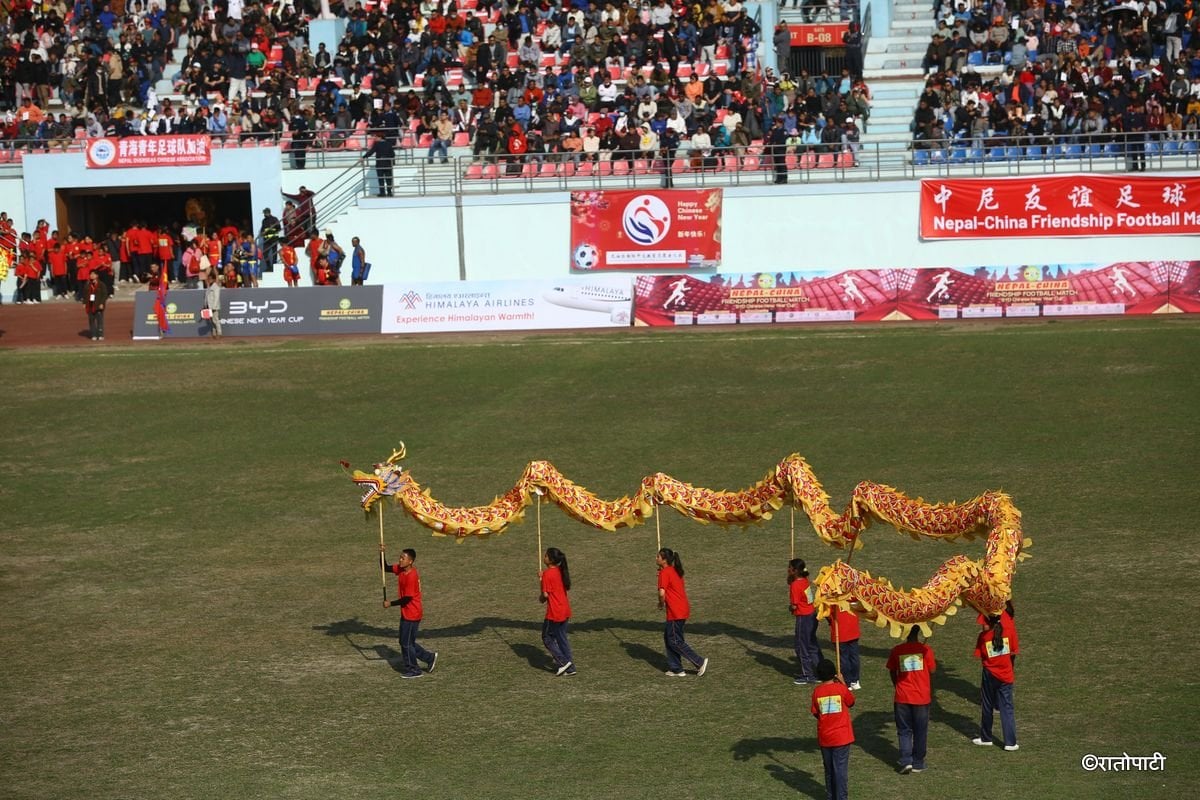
x,y
387,479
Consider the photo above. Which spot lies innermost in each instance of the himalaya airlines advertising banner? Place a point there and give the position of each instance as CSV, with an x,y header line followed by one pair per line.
x,y
602,301
652,229
926,293
1072,205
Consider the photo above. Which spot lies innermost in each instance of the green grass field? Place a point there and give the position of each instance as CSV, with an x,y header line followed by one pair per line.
x,y
191,596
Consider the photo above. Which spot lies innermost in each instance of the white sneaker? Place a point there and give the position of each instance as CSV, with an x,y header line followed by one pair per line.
x,y
981,742
854,687
1011,747
563,669
680,674
703,667
907,768
432,661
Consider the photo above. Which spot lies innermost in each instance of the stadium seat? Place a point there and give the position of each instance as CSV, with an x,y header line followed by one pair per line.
x,y
1055,151
679,166
585,169
731,163
808,160
1073,151
620,167
845,159
548,170
996,154
568,169
1034,152
958,155
1153,148
1095,150
491,172
425,140
1014,153
604,169
1170,147
826,161
751,163
474,172
920,158
975,154
1190,146
641,167
792,162
1112,149
462,139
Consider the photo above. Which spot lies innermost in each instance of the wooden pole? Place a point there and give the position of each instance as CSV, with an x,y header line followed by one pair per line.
x,y
538,496
793,550
657,528
382,572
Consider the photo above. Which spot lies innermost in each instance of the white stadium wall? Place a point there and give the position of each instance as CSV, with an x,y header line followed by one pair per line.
x,y
771,228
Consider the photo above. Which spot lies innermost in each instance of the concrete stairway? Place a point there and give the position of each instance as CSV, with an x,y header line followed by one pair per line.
x,y
892,68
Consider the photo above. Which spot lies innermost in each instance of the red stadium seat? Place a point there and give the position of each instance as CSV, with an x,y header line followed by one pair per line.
x,y
826,161
548,170
792,161
620,167
808,160
474,172
491,172
425,140
604,169
845,159
585,169
462,139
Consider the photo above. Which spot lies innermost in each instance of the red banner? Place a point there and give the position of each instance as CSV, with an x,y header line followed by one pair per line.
x,y
149,151
827,35
920,294
1072,205
668,229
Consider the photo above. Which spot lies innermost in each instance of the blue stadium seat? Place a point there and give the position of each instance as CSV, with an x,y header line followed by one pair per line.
x,y
1190,146
1095,150
1112,149
1056,151
1034,152
1170,147
975,58
976,154
1152,148
958,155
920,158
1074,151
1014,153
996,154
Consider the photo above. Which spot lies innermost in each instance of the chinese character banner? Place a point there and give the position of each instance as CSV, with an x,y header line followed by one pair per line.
x,y
669,229
920,294
149,151
1072,205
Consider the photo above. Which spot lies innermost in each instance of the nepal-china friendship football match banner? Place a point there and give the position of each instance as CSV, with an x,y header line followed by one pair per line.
x,y
646,229
1049,205
924,293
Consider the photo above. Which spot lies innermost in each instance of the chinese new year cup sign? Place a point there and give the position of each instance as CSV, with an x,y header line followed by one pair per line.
x,y
1071,205
675,229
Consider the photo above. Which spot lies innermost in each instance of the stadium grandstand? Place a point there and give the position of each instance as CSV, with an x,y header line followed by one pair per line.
x,y
413,100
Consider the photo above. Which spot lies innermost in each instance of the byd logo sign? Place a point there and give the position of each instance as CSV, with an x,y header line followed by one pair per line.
x,y
239,308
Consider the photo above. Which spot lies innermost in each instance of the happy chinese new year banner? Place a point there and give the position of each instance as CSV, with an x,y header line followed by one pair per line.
x,y
920,294
149,151
1072,205
669,229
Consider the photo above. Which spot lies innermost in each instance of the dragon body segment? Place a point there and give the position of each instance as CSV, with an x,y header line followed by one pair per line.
x,y
985,583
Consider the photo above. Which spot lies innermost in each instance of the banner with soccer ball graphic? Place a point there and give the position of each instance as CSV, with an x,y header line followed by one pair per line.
x,y
670,229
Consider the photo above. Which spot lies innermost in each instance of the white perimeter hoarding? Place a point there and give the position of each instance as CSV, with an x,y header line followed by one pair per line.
x,y
600,301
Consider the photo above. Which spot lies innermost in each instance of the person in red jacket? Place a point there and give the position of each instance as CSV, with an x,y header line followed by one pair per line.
x,y
844,633
556,582
831,703
800,597
408,589
57,257
291,272
910,665
672,595
997,648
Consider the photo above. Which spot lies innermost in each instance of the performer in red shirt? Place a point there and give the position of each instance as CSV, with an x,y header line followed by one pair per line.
x,y
408,588
556,582
998,652
291,272
58,268
831,702
672,595
800,597
844,633
164,249
910,665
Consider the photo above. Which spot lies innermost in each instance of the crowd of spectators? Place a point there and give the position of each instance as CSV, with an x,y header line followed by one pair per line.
x,y
50,264
581,78
1080,72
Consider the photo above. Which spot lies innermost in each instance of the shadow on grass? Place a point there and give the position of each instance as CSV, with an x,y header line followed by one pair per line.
x,y
873,738
637,651
947,680
794,778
